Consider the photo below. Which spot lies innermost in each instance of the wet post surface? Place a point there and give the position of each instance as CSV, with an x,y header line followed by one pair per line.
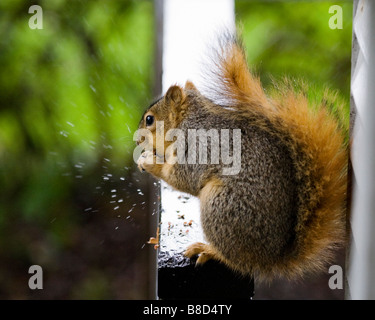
x,y
178,277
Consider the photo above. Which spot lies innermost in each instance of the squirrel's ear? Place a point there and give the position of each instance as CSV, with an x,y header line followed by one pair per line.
x,y
175,98
175,95
190,86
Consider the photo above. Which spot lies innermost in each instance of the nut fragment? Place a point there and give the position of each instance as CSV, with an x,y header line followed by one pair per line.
x,y
154,240
190,223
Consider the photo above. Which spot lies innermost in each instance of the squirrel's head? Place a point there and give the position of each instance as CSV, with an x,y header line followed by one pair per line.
x,y
166,113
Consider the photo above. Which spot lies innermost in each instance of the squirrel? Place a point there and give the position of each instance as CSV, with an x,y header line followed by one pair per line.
x,y
283,214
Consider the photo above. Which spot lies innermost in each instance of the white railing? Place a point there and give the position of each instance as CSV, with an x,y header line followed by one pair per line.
x,y
189,25
361,259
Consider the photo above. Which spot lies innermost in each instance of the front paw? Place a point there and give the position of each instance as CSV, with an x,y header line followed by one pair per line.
x,y
146,161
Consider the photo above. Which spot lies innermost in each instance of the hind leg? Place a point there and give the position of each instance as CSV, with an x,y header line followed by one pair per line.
x,y
205,251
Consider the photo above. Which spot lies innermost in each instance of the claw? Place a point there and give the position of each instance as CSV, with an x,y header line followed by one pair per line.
x,y
203,250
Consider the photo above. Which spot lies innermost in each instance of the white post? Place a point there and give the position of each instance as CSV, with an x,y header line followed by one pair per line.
x,y
190,27
361,269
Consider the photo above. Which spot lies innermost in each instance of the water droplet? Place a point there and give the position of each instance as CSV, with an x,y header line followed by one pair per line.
x,y
71,124
113,190
92,88
115,208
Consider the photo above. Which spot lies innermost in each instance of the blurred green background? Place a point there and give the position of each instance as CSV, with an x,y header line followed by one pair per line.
x,y
293,38
71,96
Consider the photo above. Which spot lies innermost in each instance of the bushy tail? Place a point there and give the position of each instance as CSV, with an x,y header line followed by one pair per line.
x,y
230,81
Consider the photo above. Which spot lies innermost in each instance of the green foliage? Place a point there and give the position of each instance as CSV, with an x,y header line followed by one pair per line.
x,y
71,95
79,82
293,39
73,90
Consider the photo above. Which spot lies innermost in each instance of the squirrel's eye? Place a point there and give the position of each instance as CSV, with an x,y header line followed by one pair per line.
x,y
149,120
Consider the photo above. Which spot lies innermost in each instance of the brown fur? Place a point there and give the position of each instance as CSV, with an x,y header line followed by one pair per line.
x,y
290,202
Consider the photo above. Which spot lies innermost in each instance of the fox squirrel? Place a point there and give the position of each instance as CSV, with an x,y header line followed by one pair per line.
x,y
283,213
